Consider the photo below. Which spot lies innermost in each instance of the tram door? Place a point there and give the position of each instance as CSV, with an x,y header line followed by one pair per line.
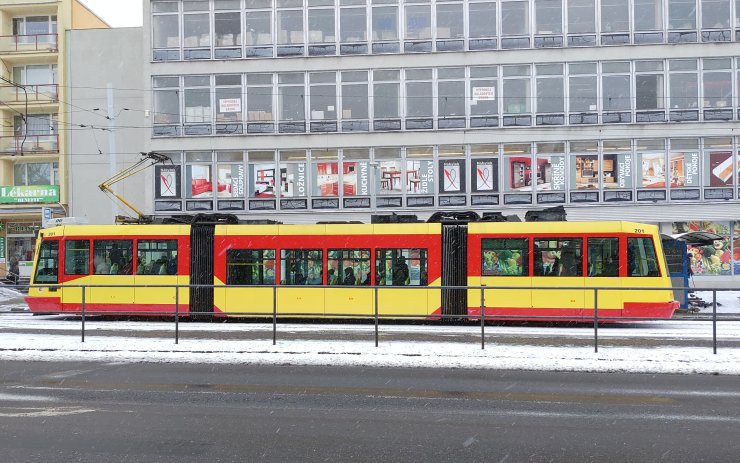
x,y
454,269
201,267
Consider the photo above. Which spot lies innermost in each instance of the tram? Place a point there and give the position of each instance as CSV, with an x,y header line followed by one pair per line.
x,y
216,266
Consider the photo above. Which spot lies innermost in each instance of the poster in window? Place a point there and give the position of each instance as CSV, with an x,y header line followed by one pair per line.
x,y
199,181
263,180
617,171
452,176
389,177
355,178
230,105
653,170
486,175
326,179
231,181
719,169
550,173
520,173
684,169
293,180
420,177
168,182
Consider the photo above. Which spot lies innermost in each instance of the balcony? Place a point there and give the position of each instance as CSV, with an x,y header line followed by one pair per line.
x,y
47,93
37,43
33,144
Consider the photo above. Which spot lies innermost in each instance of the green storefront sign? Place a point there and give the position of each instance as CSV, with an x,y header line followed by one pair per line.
x,y
29,194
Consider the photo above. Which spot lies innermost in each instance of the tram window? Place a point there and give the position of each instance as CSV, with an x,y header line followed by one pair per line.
x,y
156,257
641,258
113,257
348,267
505,257
77,257
401,267
47,267
301,267
603,257
558,257
250,267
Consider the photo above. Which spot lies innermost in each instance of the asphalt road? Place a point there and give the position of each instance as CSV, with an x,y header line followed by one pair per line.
x,y
100,412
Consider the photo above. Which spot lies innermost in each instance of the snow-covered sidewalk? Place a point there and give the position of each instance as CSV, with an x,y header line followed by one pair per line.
x,y
658,347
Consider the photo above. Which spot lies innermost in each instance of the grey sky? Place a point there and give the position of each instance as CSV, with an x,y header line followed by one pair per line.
x,y
117,13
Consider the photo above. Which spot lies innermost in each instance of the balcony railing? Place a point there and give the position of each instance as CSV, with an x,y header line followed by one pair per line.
x,y
28,43
47,93
33,144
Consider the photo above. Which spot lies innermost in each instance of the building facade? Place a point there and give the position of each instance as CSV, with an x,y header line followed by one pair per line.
x,y
303,110
34,114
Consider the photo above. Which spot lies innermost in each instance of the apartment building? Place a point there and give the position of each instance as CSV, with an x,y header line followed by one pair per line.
x,y
307,110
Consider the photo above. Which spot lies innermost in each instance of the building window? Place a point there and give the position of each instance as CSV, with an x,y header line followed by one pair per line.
x,y
228,104
227,28
583,93
47,268
648,16
356,172
515,24
615,91
386,100
617,166
451,98
36,173
198,175
518,167
516,91
550,94
548,15
651,163
581,16
483,96
35,30
649,88
355,111
450,26
550,167
388,175
385,29
262,174
419,99
353,27
717,78
715,14
418,22
323,86
196,29
420,172
258,26
681,14
260,116
683,89
717,164
321,32
684,167
290,32
197,104
230,174
482,25
39,82
166,106
585,169
615,16
291,103
293,174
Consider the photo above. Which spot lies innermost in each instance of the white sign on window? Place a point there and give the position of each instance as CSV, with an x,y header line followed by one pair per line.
x,y
230,105
484,93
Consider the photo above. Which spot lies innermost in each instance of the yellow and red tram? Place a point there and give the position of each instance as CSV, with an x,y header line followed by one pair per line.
x,y
330,269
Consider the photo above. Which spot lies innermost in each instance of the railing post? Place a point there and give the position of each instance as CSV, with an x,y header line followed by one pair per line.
x,y
482,320
714,320
83,313
596,319
274,315
177,314
375,312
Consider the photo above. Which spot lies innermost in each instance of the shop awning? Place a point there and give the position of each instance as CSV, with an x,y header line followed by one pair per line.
x,y
698,238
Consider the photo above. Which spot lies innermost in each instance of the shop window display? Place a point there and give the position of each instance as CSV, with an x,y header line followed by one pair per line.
x,y
713,259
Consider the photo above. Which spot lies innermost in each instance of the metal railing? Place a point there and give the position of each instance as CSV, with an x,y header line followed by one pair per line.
x,y
590,315
45,93
29,144
28,43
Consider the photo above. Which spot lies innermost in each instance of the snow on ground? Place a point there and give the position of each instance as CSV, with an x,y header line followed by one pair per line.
x,y
673,346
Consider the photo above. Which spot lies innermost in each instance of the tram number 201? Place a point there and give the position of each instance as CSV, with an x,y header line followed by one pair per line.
x,y
639,230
